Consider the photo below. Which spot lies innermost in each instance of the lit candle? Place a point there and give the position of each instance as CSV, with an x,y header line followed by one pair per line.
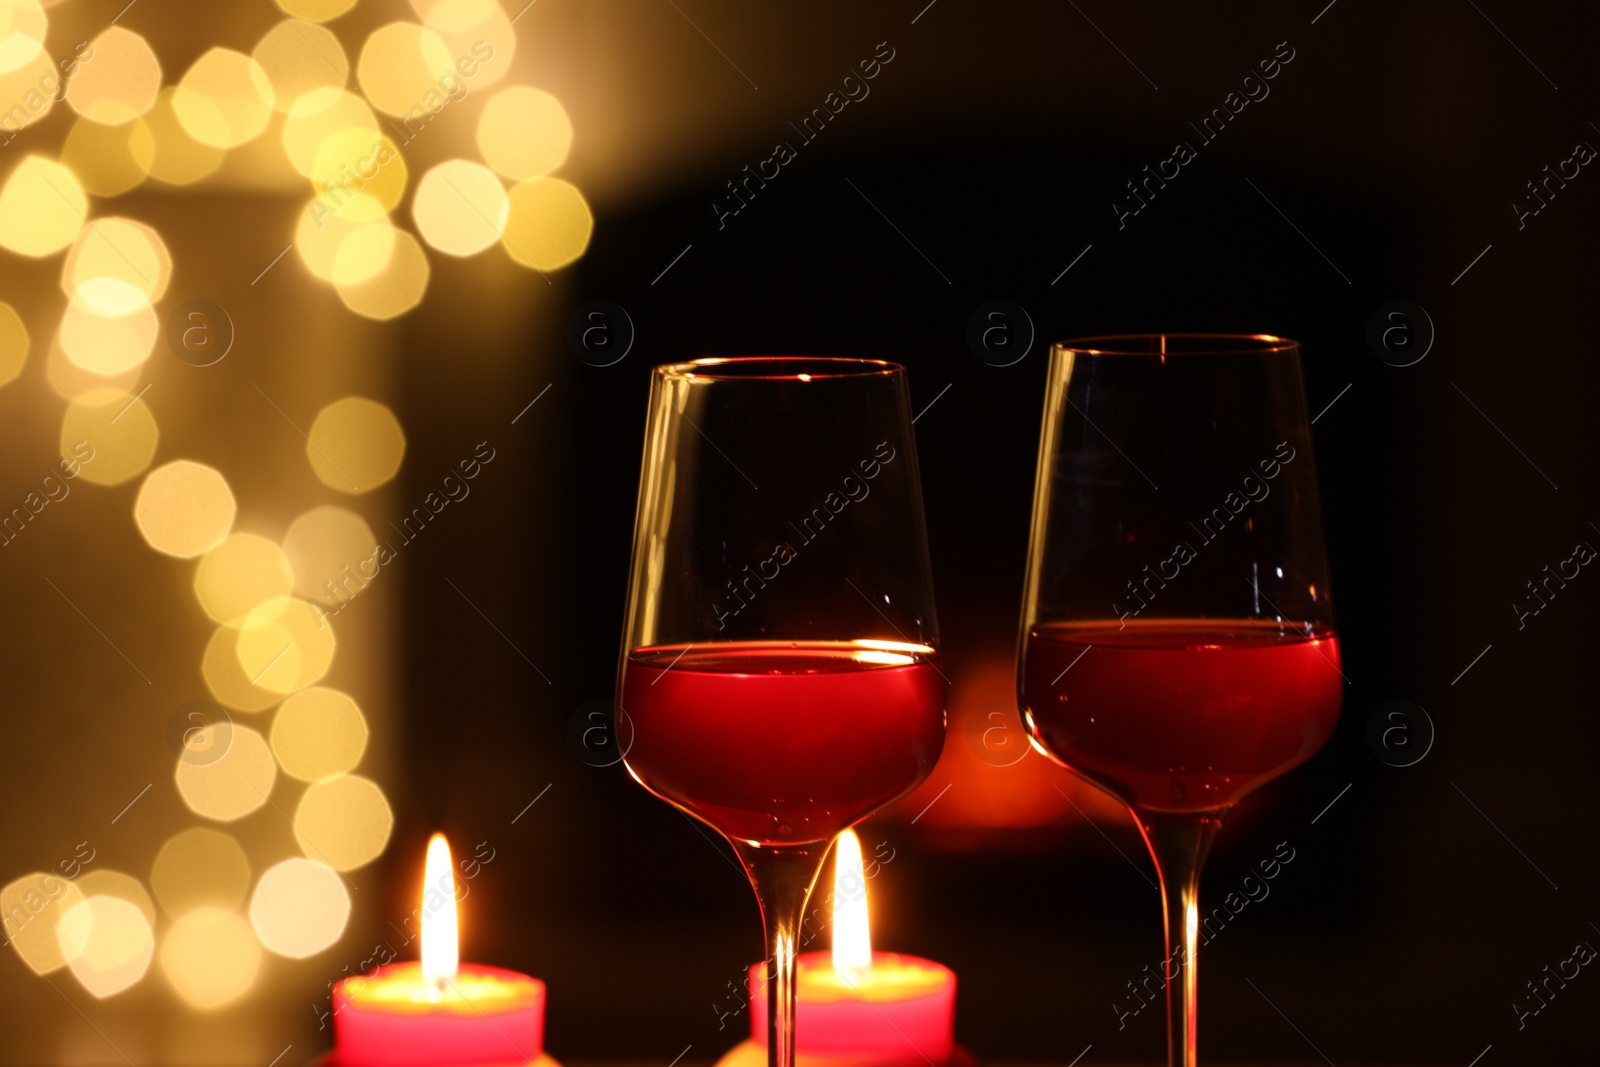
x,y
859,1007
438,1012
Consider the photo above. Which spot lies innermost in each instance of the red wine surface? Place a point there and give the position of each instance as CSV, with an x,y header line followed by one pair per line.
x,y
783,742
1181,715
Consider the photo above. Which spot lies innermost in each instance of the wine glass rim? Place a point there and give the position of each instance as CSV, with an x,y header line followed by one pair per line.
x,y
1179,344
777,368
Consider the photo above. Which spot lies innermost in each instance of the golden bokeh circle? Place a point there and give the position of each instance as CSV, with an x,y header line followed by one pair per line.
x,y
120,83
225,676
233,784
125,250
317,115
300,907
109,160
105,882
321,234
395,289
184,509
400,65
460,207
355,445
315,10
224,99
42,208
109,434
524,132
211,957
332,551
178,158
284,645
108,943
358,160
363,253
298,56
199,867
22,32
109,344
32,905
549,225
13,343
343,821
319,733
243,571
478,33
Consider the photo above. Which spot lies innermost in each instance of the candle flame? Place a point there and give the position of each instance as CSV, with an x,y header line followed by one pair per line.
x,y
852,940
440,941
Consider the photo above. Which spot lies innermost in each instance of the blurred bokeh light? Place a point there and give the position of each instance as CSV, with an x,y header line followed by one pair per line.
x,y
184,509
343,821
300,907
318,733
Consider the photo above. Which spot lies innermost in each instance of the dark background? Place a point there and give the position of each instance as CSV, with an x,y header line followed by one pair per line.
x,y
995,141
985,161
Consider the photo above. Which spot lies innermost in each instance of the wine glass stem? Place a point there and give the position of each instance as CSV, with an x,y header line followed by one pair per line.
x,y
1178,845
782,878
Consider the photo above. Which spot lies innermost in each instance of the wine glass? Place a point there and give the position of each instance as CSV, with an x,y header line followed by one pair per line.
x,y
780,663
1177,645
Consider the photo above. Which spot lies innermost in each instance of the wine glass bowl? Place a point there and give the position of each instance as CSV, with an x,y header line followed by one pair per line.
x,y
1178,645
780,664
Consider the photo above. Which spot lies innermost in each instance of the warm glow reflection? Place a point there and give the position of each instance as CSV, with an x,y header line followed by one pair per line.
x,y
318,733
197,868
320,237
315,10
326,547
363,253
224,99
42,208
113,430
22,31
13,344
242,572
225,675
441,950
211,957
178,158
852,939
395,289
285,644
184,509
478,34
108,344
300,907
109,883
318,115
235,783
460,207
402,63
120,83
548,224
121,250
108,944
524,132
31,906
109,160
355,445
343,821
299,56
357,159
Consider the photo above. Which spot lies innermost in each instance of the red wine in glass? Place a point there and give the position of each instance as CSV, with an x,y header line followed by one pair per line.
x,y
779,665
1177,645
1181,715
783,742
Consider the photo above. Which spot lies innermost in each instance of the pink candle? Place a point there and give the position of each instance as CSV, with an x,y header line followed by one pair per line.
x,y
438,1012
902,1008
857,1007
